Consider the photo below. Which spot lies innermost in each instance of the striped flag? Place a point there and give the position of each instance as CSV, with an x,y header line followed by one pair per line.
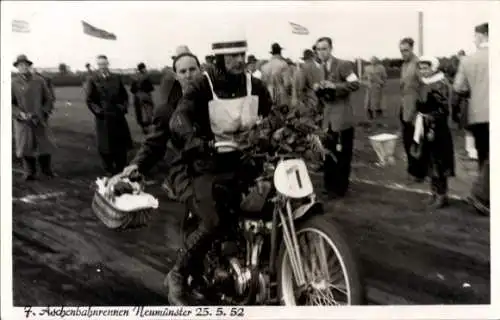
x,y
92,31
20,26
298,29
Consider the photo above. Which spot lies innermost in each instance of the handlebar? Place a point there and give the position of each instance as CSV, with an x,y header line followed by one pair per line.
x,y
229,146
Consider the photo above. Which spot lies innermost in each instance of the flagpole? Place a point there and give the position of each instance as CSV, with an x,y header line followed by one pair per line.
x,y
420,33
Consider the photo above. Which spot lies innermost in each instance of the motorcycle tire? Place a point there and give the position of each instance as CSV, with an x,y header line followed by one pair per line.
x,y
328,228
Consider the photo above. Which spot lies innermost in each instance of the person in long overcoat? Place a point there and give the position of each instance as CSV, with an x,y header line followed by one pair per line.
x,y
32,104
432,141
142,88
276,76
107,99
376,77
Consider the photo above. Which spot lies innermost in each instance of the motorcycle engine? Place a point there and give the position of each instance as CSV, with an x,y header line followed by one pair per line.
x,y
235,281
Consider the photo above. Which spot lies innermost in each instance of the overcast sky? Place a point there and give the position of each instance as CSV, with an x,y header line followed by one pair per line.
x,y
150,31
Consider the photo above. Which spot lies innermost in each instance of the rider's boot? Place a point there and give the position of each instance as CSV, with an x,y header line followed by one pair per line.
x,y
176,280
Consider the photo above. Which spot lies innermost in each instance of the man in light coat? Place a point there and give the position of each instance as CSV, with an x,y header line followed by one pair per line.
x,y
472,79
275,74
376,77
409,85
308,74
338,81
32,104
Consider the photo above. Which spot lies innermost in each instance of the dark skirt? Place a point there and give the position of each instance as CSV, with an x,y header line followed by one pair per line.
x,y
436,156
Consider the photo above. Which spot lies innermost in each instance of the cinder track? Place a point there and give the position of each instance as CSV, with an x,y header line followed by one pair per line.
x,y
62,255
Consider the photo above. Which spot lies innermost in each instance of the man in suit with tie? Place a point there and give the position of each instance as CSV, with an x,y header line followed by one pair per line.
x,y
472,80
338,81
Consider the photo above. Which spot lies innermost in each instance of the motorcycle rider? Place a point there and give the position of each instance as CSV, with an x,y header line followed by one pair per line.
x,y
223,101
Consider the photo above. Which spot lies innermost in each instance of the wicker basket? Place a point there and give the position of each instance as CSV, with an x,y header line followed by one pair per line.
x,y
114,218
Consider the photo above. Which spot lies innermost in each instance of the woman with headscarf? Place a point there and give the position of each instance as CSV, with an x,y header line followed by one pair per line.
x,y
432,140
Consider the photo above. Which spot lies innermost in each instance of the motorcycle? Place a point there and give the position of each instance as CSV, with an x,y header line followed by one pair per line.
x,y
284,250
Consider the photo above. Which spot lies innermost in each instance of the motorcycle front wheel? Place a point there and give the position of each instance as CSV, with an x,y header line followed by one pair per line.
x,y
330,268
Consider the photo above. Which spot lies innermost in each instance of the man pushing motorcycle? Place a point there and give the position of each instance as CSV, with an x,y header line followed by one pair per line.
x,y
218,105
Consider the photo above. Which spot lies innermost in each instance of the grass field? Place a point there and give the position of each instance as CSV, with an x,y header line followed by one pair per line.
x,y
409,255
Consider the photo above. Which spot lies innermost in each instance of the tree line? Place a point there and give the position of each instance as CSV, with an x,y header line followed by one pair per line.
x,y
65,77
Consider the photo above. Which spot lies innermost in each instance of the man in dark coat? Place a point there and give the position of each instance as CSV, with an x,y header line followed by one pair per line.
x,y
142,89
107,99
32,104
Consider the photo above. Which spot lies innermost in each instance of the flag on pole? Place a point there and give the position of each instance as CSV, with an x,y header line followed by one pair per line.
x,y
92,31
20,26
298,29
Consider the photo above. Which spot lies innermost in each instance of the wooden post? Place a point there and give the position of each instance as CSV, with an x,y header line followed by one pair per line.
x,y
420,33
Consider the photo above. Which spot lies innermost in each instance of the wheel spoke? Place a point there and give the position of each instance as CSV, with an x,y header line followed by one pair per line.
x,y
304,246
321,251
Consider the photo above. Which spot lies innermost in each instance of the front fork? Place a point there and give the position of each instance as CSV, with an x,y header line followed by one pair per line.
x,y
291,242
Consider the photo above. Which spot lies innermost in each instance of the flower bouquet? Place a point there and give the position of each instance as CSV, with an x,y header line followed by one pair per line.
x,y
287,132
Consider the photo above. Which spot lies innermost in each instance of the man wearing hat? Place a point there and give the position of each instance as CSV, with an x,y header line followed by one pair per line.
x,y
218,105
472,80
107,99
305,99
276,75
142,89
252,67
32,104
209,63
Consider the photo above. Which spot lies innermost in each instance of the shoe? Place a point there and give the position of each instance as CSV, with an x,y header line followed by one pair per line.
x,y
29,165
440,202
370,114
176,280
176,285
45,166
431,200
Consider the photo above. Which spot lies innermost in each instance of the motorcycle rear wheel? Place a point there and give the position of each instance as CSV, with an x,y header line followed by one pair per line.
x,y
319,291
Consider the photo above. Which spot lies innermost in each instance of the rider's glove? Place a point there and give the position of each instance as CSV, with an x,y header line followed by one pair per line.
x,y
196,147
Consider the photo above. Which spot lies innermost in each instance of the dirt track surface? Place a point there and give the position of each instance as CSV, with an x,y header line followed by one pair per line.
x,y
62,255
